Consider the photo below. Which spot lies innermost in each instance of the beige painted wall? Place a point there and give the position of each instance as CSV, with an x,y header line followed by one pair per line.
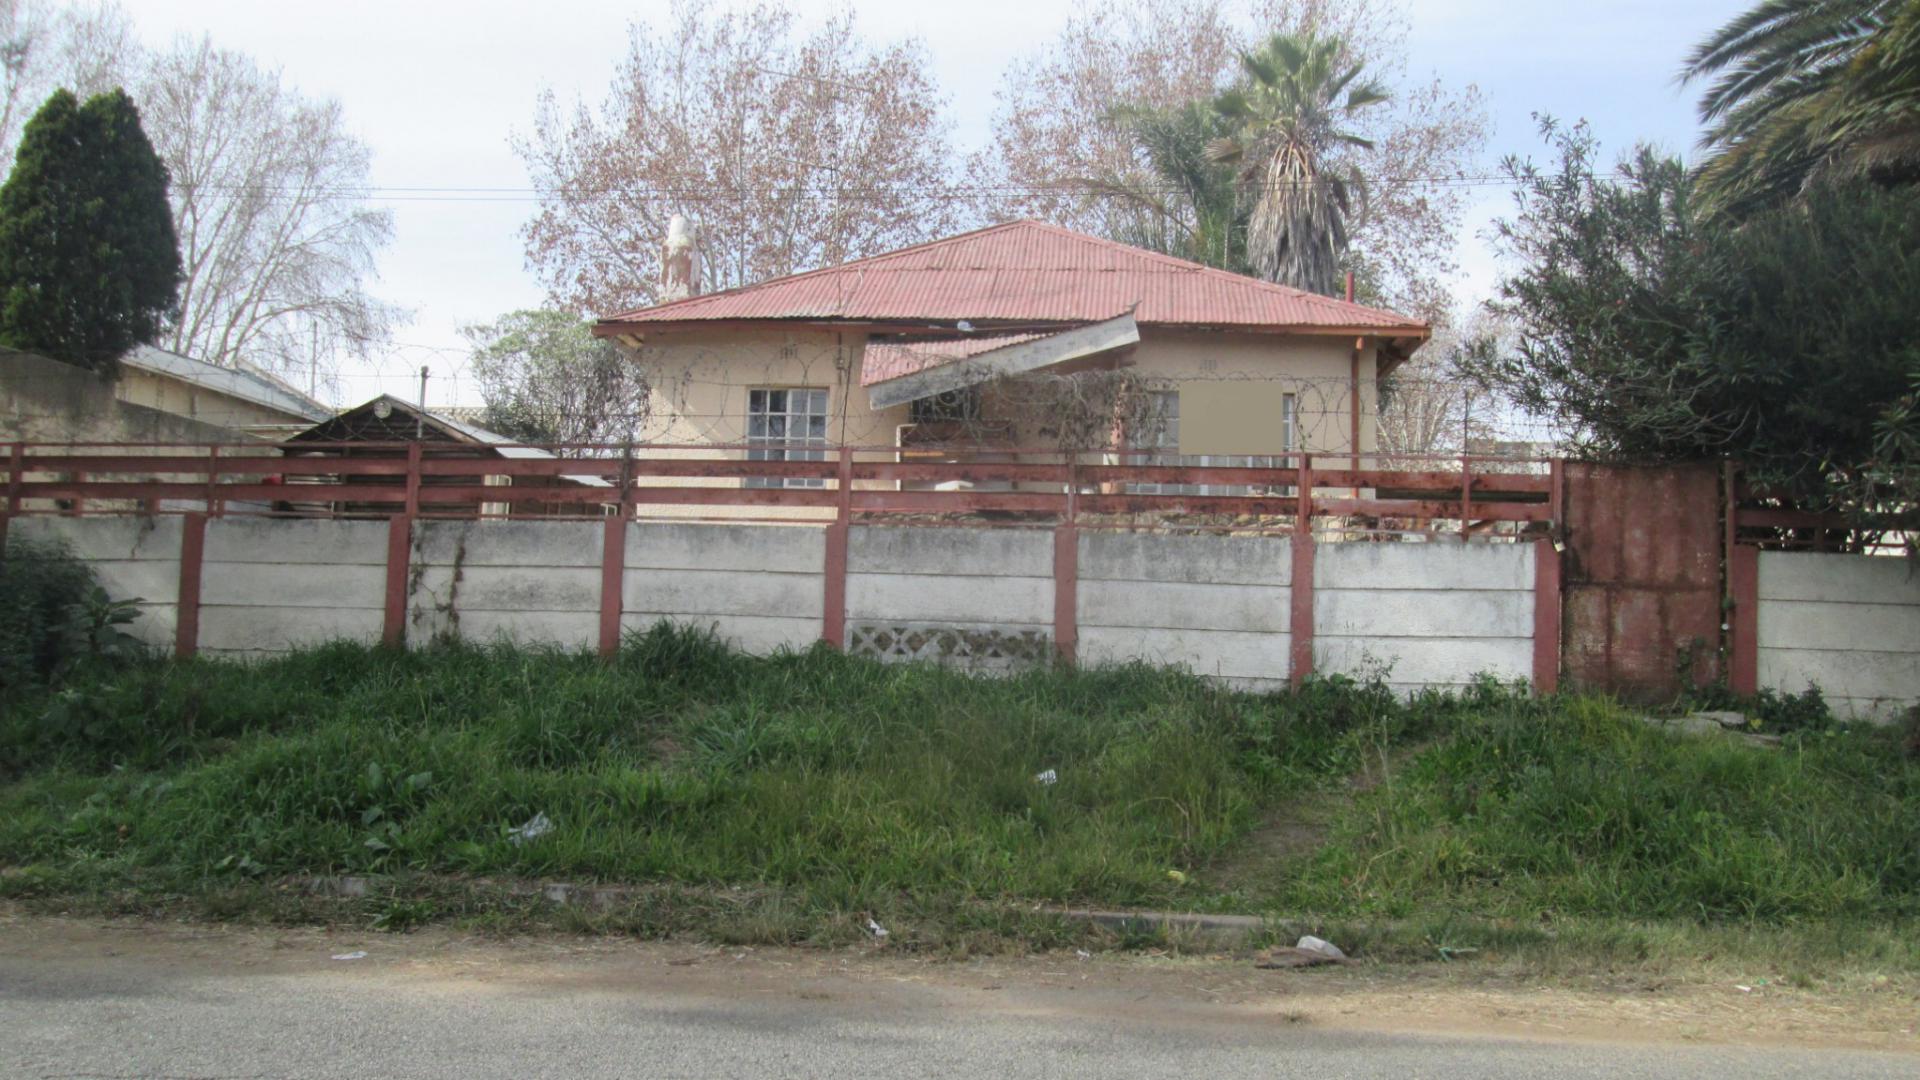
x,y
701,380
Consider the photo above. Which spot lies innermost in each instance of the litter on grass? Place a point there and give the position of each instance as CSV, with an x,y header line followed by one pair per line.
x,y
535,828
1046,779
358,955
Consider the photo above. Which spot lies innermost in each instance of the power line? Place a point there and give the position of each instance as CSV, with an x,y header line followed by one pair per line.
x,y
707,193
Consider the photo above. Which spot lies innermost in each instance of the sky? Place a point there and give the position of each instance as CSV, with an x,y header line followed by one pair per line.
x,y
438,88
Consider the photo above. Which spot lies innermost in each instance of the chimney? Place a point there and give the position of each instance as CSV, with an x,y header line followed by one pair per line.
x,y
680,261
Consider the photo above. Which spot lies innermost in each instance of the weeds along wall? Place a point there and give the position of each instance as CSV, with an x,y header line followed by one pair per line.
x,y
1228,607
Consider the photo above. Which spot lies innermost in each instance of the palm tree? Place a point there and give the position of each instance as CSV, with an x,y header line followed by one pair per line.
x,y
1805,91
1183,203
1287,119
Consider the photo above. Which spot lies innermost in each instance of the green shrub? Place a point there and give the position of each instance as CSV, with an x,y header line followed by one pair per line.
x,y
40,587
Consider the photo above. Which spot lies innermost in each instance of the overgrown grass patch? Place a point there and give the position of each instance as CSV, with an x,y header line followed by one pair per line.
x,y
1576,808
682,762
784,799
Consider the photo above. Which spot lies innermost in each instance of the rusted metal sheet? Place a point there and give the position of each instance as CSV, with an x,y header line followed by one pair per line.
x,y
1642,571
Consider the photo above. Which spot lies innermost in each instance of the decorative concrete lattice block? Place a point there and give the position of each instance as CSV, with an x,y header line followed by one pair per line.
x,y
973,648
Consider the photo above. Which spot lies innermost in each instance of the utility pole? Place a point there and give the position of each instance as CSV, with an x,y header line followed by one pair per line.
x,y
419,422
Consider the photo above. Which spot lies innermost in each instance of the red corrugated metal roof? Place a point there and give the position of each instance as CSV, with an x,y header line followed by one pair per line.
x,y
1025,271
890,359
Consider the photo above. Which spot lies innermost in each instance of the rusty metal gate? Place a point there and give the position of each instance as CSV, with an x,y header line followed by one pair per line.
x,y
1643,579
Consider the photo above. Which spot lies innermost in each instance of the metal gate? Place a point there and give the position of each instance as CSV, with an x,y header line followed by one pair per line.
x,y
1642,577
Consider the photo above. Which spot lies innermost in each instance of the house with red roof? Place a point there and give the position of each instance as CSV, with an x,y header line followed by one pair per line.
x,y
972,345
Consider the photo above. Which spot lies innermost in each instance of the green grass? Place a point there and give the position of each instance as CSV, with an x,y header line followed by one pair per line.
x,y
776,798
1576,809
681,762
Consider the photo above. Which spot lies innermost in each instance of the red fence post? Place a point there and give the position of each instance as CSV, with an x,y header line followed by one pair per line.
x,y
1744,571
1546,617
1066,575
193,547
399,550
613,562
16,459
833,608
1300,626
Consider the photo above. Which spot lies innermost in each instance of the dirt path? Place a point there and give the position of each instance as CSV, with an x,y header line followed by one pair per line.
x,y
1865,1013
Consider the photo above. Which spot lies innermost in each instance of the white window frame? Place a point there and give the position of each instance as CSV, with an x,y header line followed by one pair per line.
x,y
766,444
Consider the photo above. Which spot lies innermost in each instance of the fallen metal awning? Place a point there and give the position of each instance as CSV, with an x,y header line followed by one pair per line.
x,y
1026,356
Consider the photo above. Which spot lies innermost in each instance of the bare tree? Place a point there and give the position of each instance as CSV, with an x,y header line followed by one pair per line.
x,y
789,152
269,195
1056,127
85,48
269,187
546,378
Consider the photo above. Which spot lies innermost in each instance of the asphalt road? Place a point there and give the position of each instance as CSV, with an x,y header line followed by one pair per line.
x,y
79,1001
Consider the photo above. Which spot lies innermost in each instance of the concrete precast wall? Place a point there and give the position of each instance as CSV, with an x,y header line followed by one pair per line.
x,y
980,597
131,557
1849,624
1219,605
759,587
531,582
1431,615
270,586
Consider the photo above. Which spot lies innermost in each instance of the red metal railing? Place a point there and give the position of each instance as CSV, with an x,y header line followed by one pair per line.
x,y
415,479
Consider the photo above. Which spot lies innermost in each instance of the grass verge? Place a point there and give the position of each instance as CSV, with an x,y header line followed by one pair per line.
x,y
789,798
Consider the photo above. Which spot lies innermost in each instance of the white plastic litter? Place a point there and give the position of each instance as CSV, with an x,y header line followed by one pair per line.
x,y
1046,779
360,955
534,829
1327,949
878,931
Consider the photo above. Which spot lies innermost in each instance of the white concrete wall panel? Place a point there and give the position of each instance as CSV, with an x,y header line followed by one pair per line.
x,y
951,552
950,601
1431,614
1219,606
1200,560
785,549
131,557
1849,624
1222,653
285,541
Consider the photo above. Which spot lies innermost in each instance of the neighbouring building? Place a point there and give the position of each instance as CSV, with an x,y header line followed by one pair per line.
x,y
155,396
979,346
379,429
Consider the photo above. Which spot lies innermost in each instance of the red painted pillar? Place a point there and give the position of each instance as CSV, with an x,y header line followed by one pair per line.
x,y
1066,577
613,561
1300,592
16,464
833,608
193,547
1546,617
1743,571
613,576
399,551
